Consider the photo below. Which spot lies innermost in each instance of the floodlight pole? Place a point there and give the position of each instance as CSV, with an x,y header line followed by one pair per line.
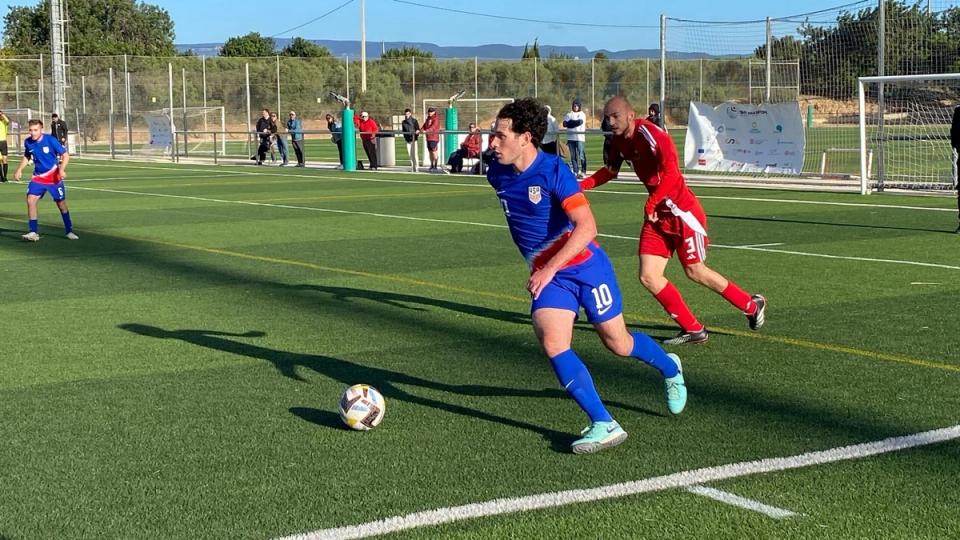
x,y
663,68
58,55
363,47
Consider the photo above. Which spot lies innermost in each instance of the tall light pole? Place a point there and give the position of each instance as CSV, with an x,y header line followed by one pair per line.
x,y
58,51
363,47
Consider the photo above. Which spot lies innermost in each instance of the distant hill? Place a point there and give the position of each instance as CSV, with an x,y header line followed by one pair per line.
x,y
491,51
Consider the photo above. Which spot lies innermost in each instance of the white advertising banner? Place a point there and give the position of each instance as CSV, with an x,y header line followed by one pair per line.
x,y
161,136
766,138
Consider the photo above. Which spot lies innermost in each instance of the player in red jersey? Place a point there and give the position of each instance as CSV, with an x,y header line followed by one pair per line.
x,y
674,221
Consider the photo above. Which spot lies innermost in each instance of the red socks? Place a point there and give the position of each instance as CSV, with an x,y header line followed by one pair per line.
x,y
674,305
739,298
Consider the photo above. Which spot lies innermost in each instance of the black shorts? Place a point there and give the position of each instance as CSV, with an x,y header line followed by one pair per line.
x,y
4,150
432,145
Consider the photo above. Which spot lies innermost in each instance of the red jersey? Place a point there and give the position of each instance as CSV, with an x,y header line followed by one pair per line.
x,y
654,157
368,128
431,128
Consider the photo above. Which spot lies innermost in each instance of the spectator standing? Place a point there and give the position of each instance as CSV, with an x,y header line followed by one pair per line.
x,y
263,132
431,129
368,129
295,129
576,123
336,136
549,144
58,128
653,115
280,138
469,149
4,150
607,139
410,128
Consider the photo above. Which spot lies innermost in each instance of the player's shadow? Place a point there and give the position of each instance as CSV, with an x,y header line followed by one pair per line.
x,y
830,224
385,380
410,302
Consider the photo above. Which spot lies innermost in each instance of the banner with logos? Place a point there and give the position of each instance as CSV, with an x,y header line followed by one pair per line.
x,y
161,136
766,138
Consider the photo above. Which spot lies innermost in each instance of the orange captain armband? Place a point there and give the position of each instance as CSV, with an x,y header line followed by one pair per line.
x,y
598,178
575,201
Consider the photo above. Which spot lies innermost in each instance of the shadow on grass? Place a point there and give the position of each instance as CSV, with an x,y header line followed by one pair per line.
x,y
348,373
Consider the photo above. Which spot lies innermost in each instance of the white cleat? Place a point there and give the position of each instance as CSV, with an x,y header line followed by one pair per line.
x,y
31,237
71,236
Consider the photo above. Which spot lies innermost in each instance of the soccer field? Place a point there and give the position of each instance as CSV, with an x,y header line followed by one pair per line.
x,y
175,373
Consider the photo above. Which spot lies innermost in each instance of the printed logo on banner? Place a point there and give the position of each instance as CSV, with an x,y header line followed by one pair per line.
x,y
779,128
753,128
700,150
789,153
757,141
721,128
701,162
533,192
731,141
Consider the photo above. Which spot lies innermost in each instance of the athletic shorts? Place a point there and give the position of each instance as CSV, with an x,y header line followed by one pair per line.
x,y
4,149
671,234
432,145
591,285
58,191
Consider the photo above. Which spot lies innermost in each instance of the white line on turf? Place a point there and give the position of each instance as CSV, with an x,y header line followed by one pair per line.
x,y
492,225
759,245
683,479
742,502
484,185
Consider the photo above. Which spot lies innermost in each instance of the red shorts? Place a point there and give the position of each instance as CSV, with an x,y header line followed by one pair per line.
x,y
671,234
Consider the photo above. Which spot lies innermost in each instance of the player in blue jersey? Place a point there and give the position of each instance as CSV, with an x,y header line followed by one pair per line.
x,y
50,160
551,222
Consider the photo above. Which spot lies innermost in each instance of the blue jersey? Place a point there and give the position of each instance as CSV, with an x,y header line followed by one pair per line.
x,y
533,202
44,153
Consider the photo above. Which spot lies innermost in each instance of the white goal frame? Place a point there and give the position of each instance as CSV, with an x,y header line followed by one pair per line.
x,y
861,97
176,115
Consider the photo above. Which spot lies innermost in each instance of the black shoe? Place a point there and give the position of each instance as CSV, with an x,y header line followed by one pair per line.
x,y
693,338
756,320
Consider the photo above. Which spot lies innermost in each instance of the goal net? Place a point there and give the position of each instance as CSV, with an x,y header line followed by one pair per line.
x,y
18,127
905,125
205,129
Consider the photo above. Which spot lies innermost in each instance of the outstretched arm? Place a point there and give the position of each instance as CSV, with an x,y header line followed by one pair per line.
x,y
604,175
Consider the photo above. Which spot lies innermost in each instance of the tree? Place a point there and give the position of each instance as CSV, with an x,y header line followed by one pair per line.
x,y
531,52
600,56
250,45
405,52
96,28
302,48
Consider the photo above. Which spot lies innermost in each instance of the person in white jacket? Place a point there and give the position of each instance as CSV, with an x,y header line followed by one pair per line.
x,y
576,123
549,143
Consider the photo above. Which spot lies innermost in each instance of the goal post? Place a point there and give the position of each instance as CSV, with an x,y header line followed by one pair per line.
x,y
904,122
202,125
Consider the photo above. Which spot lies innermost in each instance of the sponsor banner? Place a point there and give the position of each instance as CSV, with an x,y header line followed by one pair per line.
x,y
158,124
767,138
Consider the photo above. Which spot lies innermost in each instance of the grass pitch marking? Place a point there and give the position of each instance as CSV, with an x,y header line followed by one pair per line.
x,y
492,225
683,479
741,502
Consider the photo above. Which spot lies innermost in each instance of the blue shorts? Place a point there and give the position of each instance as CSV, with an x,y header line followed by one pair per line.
x,y
591,285
58,191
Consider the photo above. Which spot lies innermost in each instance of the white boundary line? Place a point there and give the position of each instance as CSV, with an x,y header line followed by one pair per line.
x,y
484,185
492,226
741,502
684,479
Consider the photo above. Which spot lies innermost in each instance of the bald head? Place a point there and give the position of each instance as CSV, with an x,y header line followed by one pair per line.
x,y
620,116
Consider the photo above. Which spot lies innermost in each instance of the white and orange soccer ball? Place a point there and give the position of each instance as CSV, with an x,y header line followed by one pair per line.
x,y
362,407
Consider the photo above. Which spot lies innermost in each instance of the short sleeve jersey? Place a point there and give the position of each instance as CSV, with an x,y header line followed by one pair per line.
x,y
533,203
44,153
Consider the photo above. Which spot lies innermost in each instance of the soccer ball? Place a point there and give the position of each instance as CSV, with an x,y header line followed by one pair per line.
x,y
362,407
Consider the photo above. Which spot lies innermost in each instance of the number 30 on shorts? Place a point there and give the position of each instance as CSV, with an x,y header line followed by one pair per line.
x,y
603,297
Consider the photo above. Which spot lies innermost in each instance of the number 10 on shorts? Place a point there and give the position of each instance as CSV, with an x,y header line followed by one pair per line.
x,y
603,297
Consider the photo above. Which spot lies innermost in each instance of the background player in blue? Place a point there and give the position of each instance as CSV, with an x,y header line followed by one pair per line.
x,y
49,172
553,226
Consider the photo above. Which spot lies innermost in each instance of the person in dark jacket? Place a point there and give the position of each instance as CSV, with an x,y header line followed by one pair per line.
x,y
295,129
607,138
263,132
410,127
955,143
58,128
653,115
336,135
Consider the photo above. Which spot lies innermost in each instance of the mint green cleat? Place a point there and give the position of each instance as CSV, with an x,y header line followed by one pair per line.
x,y
597,436
676,388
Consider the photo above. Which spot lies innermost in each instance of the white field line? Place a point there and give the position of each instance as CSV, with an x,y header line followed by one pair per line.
x,y
760,245
484,185
684,479
742,502
491,225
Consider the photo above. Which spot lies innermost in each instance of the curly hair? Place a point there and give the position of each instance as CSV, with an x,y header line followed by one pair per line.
x,y
528,116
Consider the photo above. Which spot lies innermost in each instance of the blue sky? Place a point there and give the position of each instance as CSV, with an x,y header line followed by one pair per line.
x,y
199,21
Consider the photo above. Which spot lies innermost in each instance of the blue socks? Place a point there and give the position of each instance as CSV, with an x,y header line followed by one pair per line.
x,y
576,380
33,225
647,350
67,223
